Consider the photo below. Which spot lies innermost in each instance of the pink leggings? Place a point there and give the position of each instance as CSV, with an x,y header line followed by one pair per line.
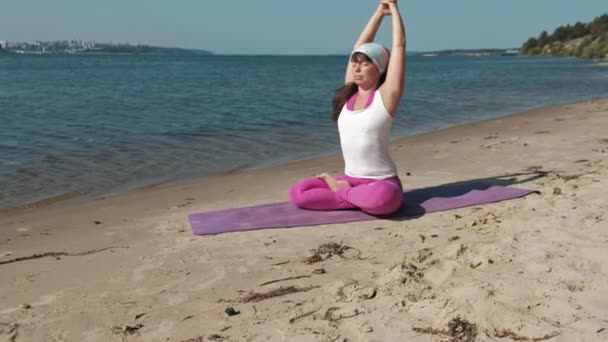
x,y
376,197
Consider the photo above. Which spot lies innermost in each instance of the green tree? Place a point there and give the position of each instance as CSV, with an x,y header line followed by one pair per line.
x,y
528,46
593,45
580,30
599,26
560,34
543,39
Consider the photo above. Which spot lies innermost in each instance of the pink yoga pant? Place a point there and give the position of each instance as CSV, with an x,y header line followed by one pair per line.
x,y
376,197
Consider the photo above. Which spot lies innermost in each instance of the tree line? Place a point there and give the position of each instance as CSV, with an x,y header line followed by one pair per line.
x,y
593,40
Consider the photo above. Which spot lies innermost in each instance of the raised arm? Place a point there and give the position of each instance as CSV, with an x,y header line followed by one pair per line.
x,y
392,89
368,35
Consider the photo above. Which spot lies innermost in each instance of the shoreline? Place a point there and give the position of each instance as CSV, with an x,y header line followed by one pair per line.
x,y
72,198
128,267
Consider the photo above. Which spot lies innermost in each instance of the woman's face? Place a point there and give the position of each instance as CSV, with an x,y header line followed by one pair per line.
x,y
365,73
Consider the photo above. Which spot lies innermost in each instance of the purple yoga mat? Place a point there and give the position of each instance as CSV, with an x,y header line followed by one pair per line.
x,y
284,215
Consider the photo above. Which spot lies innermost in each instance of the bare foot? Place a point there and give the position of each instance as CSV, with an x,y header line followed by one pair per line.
x,y
333,183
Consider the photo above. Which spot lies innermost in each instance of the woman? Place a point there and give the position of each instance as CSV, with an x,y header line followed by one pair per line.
x,y
364,109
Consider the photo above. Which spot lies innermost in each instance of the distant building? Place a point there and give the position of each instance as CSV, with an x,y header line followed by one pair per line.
x,y
3,44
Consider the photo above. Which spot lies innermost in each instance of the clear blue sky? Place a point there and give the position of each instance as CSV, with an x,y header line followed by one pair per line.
x,y
288,26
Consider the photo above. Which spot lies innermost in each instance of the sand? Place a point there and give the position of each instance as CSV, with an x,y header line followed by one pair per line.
x,y
127,267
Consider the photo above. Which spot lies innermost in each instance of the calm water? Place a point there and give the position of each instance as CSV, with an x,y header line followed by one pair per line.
x,y
91,125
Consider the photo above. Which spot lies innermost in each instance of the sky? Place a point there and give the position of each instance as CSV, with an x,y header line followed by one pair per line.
x,y
288,27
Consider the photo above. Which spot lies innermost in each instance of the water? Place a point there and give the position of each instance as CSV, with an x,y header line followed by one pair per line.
x,y
92,125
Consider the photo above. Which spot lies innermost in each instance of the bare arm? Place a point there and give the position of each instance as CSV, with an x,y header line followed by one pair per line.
x,y
368,35
392,89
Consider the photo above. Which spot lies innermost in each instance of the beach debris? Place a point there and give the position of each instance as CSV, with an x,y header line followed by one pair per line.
x,y
306,314
281,291
568,177
127,329
58,255
212,337
138,316
319,271
371,294
284,279
412,272
423,254
462,330
327,250
454,238
434,236
474,266
25,306
600,330
194,339
557,191
534,168
187,318
280,263
408,173
329,314
184,204
230,311
510,334
422,237
461,250
459,330
366,328
11,331
97,222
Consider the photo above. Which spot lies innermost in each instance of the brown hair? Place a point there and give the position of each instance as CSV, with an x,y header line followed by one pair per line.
x,y
342,94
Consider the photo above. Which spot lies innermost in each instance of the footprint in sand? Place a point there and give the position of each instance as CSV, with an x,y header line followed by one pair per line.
x,y
138,273
408,277
440,272
210,281
354,291
484,222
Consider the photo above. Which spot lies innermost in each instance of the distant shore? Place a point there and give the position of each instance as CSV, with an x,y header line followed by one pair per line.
x,y
84,48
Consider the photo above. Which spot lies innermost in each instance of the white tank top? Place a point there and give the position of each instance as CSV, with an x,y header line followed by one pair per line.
x,y
365,138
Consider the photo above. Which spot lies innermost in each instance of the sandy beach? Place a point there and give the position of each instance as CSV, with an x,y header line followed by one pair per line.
x,y
127,267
